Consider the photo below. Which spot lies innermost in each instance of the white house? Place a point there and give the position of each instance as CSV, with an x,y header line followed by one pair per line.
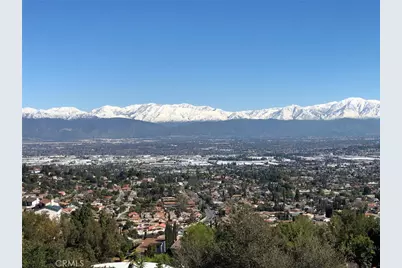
x,y
53,212
30,202
47,202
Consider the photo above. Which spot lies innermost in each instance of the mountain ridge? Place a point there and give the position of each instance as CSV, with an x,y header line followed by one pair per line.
x,y
122,128
354,108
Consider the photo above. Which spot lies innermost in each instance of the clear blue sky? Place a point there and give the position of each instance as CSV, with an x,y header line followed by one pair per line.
x,y
232,55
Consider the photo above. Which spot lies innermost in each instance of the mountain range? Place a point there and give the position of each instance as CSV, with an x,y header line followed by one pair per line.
x,y
46,129
354,108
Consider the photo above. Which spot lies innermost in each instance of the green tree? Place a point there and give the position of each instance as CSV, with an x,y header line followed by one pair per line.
x,y
111,239
366,190
297,195
86,233
169,235
175,230
361,250
357,237
308,244
33,255
182,202
245,240
140,262
196,245
44,241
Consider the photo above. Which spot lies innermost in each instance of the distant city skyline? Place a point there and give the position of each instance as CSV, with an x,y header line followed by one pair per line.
x,y
231,55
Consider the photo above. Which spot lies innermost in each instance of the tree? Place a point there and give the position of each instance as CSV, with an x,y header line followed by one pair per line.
x,y
309,245
111,239
245,240
151,250
128,225
328,211
78,237
140,263
160,259
86,233
297,195
366,190
255,246
169,235
25,168
357,237
284,195
175,230
196,244
33,255
44,241
362,250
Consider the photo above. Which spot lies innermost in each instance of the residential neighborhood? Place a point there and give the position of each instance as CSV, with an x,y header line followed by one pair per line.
x,y
154,199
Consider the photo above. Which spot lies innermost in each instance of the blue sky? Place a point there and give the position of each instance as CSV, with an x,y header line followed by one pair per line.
x,y
232,55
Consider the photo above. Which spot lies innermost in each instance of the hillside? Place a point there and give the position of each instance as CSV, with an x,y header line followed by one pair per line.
x,y
119,128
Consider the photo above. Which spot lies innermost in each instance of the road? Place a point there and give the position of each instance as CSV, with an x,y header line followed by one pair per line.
x,y
121,195
124,212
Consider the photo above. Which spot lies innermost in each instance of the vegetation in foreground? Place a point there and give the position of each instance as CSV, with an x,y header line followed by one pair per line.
x,y
245,240
242,240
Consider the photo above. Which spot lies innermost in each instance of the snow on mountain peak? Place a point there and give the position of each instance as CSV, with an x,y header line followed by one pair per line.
x,y
59,112
184,112
29,110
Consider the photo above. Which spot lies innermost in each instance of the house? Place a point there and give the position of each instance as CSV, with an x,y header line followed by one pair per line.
x,y
48,202
45,202
68,210
372,215
126,188
30,202
308,209
271,219
169,199
169,204
148,180
176,245
148,243
295,212
134,216
191,203
35,170
162,247
309,215
64,204
53,212
319,217
156,229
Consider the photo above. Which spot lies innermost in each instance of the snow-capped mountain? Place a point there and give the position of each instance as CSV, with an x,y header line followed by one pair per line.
x,y
61,112
348,108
